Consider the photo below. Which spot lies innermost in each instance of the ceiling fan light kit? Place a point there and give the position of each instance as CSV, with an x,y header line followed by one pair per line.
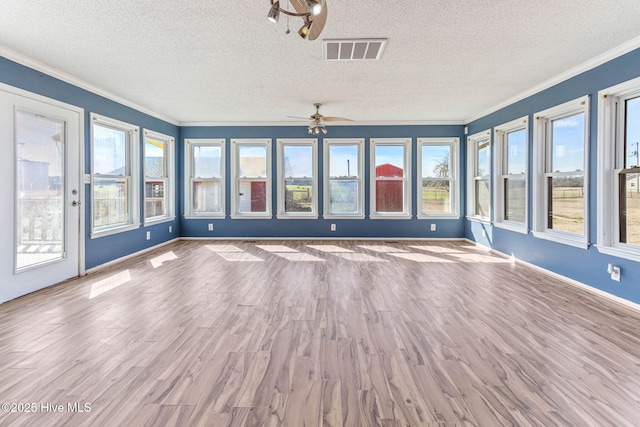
x,y
312,12
318,122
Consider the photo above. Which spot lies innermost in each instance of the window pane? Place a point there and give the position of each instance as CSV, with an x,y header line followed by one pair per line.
x,y
343,161
482,197
252,196
154,158
389,161
436,161
252,161
206,161
632,133
109,151
516,152
206,196
343,197
630,208
110,201
482,161
566,204
298,161
154,199
567,150
514,199
436,196
39,189
298,195
389,196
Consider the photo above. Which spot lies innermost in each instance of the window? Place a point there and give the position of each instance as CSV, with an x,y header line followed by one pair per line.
x,y
204,186
297,178
510,186
251,185
344,184
437,186
479,176
390,178
619,170
159,180
560,159
114,176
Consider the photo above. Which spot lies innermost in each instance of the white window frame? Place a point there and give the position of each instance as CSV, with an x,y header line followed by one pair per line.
x,y
611,140
168,178
235,166
472,150
281,144
454,177
328,142
541,157
133,175
406,178
500,141
190,179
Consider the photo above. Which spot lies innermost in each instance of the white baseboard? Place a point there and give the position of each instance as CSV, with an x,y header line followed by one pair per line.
x,y
628,304
397,239
126,257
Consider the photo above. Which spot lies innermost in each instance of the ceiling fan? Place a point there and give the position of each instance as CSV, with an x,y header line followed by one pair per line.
x,y
318,121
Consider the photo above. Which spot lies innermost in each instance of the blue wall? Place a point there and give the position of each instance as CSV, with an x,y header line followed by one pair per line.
x,y
585,265
103,249
446,228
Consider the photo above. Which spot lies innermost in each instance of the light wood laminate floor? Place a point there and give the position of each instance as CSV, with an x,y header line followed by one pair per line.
x,y
319,333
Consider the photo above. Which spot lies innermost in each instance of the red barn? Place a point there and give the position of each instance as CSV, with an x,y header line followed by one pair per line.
x,y
389,193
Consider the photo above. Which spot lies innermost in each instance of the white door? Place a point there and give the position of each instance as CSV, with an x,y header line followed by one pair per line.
x,y
40,192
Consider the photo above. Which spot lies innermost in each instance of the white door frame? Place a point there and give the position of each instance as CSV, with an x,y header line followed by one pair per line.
x,y
81,143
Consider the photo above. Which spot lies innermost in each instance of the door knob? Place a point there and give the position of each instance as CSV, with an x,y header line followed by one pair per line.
x,y
75,204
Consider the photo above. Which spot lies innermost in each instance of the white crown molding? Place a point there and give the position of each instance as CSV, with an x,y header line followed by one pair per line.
x,y
68,78
332,124
586,66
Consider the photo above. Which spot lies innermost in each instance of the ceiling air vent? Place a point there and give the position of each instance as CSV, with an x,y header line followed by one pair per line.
x,y
353,49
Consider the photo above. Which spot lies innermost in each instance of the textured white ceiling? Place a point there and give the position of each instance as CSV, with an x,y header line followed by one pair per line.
x,y
223,61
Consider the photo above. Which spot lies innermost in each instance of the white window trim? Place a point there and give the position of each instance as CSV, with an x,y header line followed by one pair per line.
x,y
500,134
454,171
406,178
472,143
607,186
235,144
189,146
133,138
576,106
326,202
282,214
170,178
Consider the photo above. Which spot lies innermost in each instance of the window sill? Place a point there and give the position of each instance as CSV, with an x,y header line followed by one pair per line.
x,y
114,230
360,216
443,216
398,216
299,216
626,252
481,219
154,221
512,226
204,216
249,216
576,241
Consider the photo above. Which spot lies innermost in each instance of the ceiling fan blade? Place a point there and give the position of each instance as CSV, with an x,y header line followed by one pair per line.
x,y
336,119
318,23
301,118
299,5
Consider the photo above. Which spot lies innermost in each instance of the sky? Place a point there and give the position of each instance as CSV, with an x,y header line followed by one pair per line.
x,y
431,156
516,152
568,144
339,155
109,150
633,132
298,161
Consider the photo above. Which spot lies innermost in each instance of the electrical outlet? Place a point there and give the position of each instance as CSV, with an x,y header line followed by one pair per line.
x,y
333,227
210,227
433,227
614,271
170,229
148,235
